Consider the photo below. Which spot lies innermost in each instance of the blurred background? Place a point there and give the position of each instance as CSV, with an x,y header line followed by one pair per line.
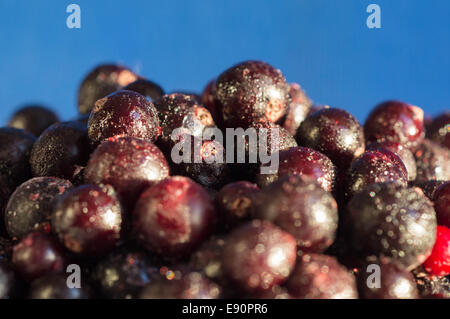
x,y
324,45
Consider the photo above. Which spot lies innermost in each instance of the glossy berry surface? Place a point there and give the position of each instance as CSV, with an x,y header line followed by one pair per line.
x,y
432,162
439,130
388,220
321,277
234,203
298,108
7,281
305,162
438,263
123,113
36,255
249,91
441,201
34,119
377,166
258,255
59,150
30,206
147,88
301,208
393,282
128,164
88,219
335,133
54,286
395,121
101,81
405,155
173,217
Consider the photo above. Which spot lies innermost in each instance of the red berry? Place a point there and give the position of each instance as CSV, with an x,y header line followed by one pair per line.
x,y
438,263
432,162
442,204
439,130
298,109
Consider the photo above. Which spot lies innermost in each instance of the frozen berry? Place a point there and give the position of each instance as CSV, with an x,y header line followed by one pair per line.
x,y
173,217
301,208
404,153
59,150
34,119
305,162
147,88
7,281
123,113
258,255
442,204
103,80
54,286
438,263
395,121
128,164
234,203
335,133
387,220
251,90
321,277
30,206
377,166
38,254
208,259
298,109
432,162
431,287
429,188
208,101
439,130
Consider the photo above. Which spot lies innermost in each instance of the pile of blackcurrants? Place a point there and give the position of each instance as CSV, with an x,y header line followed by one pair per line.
x,y
351,212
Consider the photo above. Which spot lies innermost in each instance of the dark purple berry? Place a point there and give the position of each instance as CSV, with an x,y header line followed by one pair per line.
x,y
147,88
128,164
88,219
173,217
388,220
37,254
208,259
303,209
439,130
335,133
397,122
432,162
59,150
54,286
7,281
34,119
208,101
30,206
123,113
101,81
298,109
442,204
249,91
429,188
258,255
321,277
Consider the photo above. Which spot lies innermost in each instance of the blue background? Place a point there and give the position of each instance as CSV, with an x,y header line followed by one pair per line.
x,y
324,45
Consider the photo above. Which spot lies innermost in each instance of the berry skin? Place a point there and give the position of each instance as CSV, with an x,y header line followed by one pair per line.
x,y
123,113
101,81
258,255
394,282
54,286
429,188
173,217
128,164
88,220
298,109
442,204
30,206
405,155
34,119
439,130
377,166
234,203
438,263
36,255
387,220
305,162
59,150
149,89
207,100
321,277
7,281
250,91
397,122
432,162
335,133
301,208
